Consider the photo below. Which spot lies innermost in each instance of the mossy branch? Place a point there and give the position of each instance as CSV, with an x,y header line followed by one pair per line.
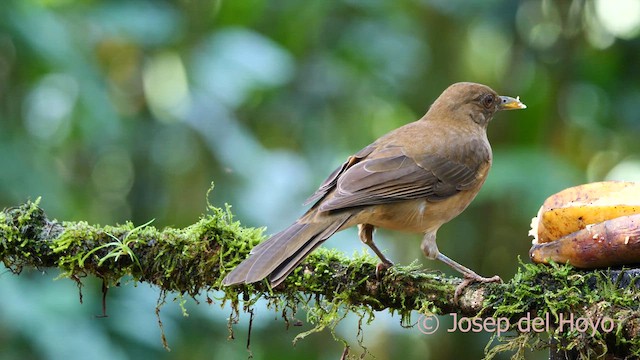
x,y
193,260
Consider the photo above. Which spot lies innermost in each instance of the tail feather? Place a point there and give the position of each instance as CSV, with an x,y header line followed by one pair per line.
x,y
286,267
280,254
268,258
282,271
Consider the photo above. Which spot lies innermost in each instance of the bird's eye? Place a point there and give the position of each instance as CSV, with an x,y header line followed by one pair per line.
x,y
488,101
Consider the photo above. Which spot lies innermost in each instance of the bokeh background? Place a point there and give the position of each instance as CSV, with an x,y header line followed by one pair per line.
x,y
128,110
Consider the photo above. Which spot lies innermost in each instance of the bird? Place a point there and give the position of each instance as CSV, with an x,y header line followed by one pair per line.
x,y
413,179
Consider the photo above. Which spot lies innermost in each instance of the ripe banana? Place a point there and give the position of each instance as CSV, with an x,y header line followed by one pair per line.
x,y
591,225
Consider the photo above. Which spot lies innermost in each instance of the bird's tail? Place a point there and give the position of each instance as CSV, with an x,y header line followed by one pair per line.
x,y
282,252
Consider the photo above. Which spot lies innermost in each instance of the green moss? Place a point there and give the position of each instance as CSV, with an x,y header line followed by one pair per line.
x,y
16,227
327,286
561,293
195,259
188,260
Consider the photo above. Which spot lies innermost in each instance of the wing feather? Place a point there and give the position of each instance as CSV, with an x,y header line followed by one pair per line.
x,y
389,175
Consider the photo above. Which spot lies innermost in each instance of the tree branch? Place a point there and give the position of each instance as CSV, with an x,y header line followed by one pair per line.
x,y
194,260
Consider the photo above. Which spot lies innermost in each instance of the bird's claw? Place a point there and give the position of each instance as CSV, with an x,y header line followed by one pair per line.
x,y
470,279
382,267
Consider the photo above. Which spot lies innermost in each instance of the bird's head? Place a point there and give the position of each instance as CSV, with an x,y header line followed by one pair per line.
x,y
470,101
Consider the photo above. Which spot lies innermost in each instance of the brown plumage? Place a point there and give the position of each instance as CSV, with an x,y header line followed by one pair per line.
x,y
414,179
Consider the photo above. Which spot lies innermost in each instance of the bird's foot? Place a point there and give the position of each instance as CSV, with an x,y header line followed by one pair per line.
x,y
470,279
382,267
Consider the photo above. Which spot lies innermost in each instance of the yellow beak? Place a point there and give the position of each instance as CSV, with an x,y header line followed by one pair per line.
x,y
509,103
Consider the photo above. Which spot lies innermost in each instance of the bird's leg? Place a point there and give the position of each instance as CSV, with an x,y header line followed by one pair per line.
x,y
430,249
365,231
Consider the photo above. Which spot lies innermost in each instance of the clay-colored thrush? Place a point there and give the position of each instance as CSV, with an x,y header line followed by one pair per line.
x,y
413,179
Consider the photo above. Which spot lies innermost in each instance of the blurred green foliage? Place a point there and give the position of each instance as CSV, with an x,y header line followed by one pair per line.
x,y
127,110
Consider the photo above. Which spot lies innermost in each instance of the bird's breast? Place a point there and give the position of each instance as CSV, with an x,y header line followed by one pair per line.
x,y
421,215
415,216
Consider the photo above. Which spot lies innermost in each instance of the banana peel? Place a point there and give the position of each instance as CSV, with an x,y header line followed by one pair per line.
x,y
589,226
608,243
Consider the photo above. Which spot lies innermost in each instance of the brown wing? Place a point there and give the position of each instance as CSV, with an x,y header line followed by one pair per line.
x,y
389,175
331,181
